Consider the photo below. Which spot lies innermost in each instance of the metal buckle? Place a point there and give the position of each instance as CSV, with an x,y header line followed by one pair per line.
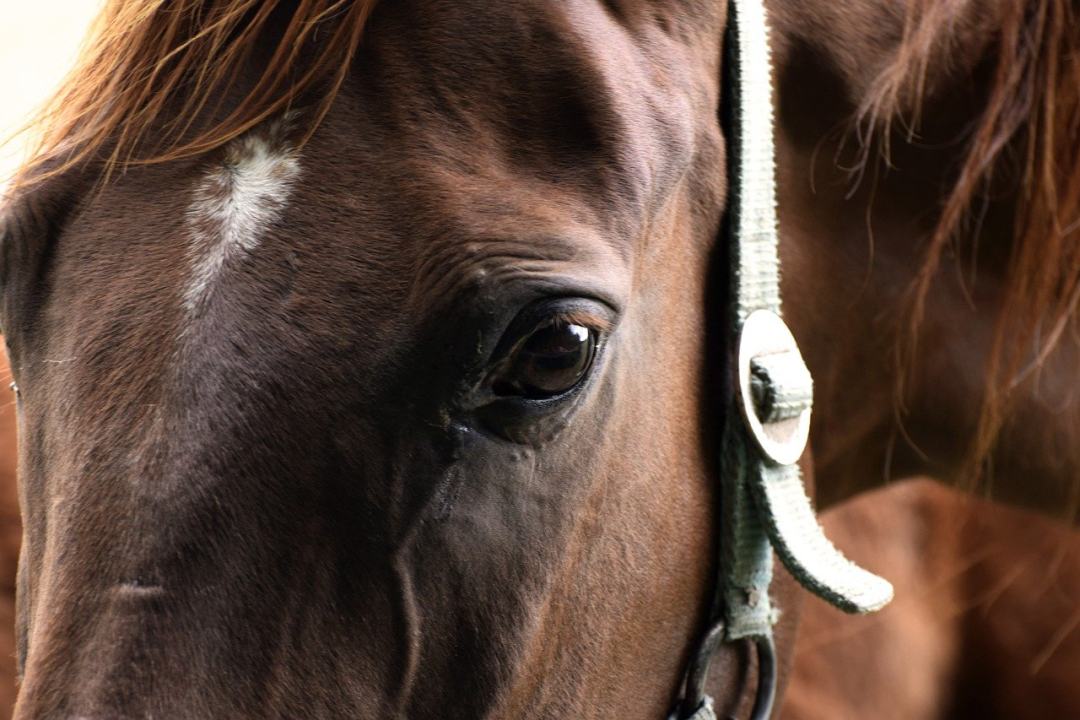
x,y
765,338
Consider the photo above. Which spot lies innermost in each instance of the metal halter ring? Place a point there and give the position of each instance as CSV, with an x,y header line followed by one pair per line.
x,y
695,699
775,389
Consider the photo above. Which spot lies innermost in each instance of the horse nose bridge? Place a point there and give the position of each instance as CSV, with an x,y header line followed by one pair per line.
x,y
123,650
168,552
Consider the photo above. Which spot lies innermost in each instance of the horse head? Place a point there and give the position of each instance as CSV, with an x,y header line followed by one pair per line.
x,y
386,378
408,418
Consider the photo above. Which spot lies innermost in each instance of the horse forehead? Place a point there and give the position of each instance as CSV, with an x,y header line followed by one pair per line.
x,y
466,121
449,140
527,94
528,119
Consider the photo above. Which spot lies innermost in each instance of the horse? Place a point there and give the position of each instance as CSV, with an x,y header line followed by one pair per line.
x,y
984,625
370,357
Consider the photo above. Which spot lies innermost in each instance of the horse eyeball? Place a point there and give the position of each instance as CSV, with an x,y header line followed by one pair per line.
x,y
549,362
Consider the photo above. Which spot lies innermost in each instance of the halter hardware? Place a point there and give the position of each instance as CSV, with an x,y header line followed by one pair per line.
x,y
775,388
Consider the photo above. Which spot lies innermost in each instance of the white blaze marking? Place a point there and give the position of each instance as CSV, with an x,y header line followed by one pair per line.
x,y
235,203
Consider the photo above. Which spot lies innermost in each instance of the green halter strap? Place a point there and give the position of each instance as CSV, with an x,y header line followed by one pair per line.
x,y
767,421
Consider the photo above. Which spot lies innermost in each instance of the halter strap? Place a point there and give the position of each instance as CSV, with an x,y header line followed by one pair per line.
x,y
765,506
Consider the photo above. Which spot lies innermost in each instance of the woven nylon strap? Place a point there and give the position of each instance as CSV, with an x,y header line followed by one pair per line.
x,y
766,424
765,506
705,712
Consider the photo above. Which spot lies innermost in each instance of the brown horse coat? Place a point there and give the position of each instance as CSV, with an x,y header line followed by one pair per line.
x,y
276,459
985,623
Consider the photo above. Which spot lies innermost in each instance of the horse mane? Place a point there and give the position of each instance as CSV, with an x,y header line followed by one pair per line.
x,y
150,68
1031,121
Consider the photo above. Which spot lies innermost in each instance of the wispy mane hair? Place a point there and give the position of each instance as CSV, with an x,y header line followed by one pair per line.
x,y
1031,119
151,68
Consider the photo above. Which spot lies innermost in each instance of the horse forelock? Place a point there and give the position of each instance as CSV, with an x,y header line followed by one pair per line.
x,y
152,72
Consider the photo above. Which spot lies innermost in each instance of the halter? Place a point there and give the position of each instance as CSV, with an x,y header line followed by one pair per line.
x,y
767,418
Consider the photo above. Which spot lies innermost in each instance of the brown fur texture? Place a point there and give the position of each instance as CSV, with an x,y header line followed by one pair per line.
x,y
985,623
300,495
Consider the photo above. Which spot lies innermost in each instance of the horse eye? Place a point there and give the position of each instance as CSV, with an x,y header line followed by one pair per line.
x,y
548,362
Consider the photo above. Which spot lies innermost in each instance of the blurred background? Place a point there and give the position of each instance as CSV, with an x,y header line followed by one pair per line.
x,y
39,40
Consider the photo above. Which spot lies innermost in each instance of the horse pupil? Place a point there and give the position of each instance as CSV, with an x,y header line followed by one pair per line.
x,y
554,359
